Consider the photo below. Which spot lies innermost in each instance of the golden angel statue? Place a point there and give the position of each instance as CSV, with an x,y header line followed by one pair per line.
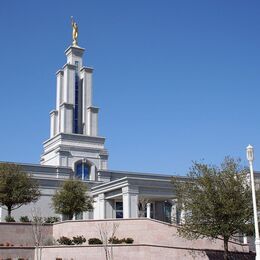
x,y
74,32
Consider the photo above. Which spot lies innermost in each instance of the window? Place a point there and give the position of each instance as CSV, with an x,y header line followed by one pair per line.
x,y
167,211
119,209
82,170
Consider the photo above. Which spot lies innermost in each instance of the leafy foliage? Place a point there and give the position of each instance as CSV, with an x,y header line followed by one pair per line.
x,y
79,240
72,199
115,240
129,240
65,241
9,219
16,187
24,219
50,220
216,201
95,241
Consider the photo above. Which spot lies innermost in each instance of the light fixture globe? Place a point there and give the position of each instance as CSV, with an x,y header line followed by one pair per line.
x,y
250,153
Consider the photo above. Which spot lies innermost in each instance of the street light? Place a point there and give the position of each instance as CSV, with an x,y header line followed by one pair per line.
x,y
250,158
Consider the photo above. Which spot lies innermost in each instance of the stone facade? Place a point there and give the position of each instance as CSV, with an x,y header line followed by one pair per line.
x,y
152,240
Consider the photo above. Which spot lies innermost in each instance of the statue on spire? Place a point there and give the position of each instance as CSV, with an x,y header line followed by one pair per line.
x,y
74,32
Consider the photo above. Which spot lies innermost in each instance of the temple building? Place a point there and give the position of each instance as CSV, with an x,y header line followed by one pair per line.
x,y
75,150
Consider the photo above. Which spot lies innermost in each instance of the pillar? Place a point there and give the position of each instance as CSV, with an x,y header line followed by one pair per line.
x,y
148,210
130,202
86,76
54,121
92,123
69,83
59,88
101,206
66,118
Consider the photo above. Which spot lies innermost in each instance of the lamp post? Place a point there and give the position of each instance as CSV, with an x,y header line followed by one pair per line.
x,y
250,158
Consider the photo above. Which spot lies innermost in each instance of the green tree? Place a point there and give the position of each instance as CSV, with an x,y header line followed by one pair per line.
x,y
72,198
17,188
216,201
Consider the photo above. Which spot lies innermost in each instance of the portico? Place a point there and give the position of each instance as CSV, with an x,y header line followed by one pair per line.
x,y
133,197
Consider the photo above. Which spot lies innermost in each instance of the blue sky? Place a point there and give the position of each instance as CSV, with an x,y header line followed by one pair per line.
x,y
176,81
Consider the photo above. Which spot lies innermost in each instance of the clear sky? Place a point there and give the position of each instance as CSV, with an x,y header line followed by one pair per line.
x,y
175,81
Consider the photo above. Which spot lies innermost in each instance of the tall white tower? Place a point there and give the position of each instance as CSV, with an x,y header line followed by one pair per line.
x,y
74,140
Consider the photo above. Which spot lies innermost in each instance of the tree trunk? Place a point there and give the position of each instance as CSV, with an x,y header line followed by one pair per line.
x,y
9,209
226,248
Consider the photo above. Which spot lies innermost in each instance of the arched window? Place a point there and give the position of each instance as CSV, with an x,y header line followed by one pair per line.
x,y
82,170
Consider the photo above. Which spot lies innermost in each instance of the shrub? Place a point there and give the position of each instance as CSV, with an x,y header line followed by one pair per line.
x,y
79,240
115,240
1,244
94,241
24,219
128,240
51,219
49,241
9,219
64,241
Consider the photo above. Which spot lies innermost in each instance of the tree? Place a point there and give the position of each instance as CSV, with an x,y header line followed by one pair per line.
x,y
71,198
37,228
216,201
106,232
17,188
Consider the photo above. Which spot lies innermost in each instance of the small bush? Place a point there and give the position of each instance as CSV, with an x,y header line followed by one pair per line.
x,y
94,241
49,241
115,240
7,244
64,241
24,219
37,219
1,244
128,240
9,219
79,240
51,220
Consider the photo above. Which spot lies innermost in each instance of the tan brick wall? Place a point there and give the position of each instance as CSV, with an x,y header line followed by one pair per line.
x,y
20,233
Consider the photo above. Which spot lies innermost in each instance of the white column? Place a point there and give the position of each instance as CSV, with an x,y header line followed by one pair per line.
x,y
182,216
130,202
92,123
66,118
88,122
101,201
148,210
126,203
59,88
86,76
53,118
59,98
69,83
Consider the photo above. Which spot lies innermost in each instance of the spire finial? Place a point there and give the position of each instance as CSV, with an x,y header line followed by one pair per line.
x,y
74,32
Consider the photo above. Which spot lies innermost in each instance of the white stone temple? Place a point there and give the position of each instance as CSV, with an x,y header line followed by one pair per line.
x,y
75,150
